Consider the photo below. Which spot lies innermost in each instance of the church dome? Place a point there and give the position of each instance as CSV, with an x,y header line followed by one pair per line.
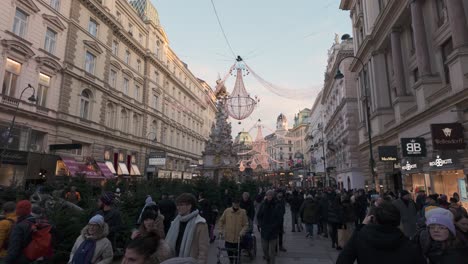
x,y
281,117
243,137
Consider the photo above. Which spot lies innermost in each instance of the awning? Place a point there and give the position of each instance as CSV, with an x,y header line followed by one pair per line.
x,y
122,169
72,166
134,170
110,166
106,172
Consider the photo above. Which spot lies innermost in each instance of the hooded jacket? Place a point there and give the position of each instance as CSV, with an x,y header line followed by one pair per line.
x,y
6,226
103,254
384,244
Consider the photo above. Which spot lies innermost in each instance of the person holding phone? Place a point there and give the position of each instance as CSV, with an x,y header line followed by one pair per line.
x,y
379,238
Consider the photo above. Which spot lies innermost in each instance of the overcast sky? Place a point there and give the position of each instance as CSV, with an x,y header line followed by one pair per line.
x,y
285,42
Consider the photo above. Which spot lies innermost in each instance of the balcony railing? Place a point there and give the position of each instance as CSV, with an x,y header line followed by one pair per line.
x,y
10,100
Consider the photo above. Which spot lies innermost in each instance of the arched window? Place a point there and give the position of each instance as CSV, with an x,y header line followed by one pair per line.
x,y
85,103
110,115
124,121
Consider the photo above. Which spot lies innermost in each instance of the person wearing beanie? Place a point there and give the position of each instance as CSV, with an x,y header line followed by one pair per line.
x,y
408,213
437,241
92,246
151,221
20,235
111,215
6,225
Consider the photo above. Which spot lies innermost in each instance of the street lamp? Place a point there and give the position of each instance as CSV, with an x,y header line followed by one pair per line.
x,y
8,139
339,75
327,180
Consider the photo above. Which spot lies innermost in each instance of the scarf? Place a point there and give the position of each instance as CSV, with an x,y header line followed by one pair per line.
x,y
185,246
85,252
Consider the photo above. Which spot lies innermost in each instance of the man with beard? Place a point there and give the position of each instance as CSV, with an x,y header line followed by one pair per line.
x,y
270,220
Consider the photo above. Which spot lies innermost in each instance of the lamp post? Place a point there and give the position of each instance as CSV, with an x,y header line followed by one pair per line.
x,y
32,99
151,137
327,180
340,75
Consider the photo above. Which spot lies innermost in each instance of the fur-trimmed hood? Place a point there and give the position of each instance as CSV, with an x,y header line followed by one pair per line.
x,y
102,233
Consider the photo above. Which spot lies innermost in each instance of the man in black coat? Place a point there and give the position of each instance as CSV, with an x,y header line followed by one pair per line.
x,y
168,209
112,217
269,219
380,240
295,202
248,206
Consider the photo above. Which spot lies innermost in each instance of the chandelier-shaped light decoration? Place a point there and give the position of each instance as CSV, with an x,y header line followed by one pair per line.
x,y
239,104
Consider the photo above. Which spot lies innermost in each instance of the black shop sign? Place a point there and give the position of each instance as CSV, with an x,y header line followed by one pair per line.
x,y
447,136
388,153
14,157
413,147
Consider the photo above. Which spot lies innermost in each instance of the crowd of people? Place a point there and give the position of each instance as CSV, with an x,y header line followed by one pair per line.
x,y
363,226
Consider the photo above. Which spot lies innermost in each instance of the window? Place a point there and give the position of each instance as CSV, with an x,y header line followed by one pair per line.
x,y
127,57
50,40
124,121
416,75
136,125
137,92
85,101
139,66
140,37
110,116
77,152
113,78
441,9
92,27
12,71
154,128
156,77
158,45
447,49
44,84
55,4
130,29
119,16
125,86
20,22
90,62
115,47
155,101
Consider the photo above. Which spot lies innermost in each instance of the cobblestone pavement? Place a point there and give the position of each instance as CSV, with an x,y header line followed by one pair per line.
x,y
300,250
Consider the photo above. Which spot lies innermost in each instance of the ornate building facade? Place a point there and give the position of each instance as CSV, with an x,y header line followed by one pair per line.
x,y
107,80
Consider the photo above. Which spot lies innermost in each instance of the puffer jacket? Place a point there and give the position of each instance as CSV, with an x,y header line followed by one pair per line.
x,y
103,254
6,226
233,224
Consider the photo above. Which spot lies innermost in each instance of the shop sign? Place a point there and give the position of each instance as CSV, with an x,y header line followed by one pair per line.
x,y
388,153
14,157
413,147
157,158
448,136
440,162
409,166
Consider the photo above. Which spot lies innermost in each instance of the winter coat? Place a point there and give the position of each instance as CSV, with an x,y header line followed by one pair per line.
x,y
360,206
233,224
163,253
323,209
309,211
270,219
408,214
380,244
103,254
6,226
169,210
113,219
335,213
20,237
200,244
249,208
158,227
296,202
348,213
436,253
206,211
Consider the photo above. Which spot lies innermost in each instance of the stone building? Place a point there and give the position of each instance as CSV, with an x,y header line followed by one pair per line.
x,y
300,165
243,148
340,117
279,147
416,75
107,80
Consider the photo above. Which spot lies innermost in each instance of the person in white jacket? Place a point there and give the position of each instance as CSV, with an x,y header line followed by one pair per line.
x,y
92,246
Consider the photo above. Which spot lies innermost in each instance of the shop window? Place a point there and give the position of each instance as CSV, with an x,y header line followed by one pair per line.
x,y
12,71
20,23
43,88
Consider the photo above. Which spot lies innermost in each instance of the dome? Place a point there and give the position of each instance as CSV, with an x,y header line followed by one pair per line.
x,y
282,117
243,137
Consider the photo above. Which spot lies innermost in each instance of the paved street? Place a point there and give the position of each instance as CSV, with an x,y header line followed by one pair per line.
x,y
300,250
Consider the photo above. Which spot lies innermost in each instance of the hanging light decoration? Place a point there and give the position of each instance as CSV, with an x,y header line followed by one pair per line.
x,y
241,166
253,164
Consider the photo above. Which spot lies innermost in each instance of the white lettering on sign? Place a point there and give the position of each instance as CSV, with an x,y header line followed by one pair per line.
x,y
388,159
409,166
440,162
413,148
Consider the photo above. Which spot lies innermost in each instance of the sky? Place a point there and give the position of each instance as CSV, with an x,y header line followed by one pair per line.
x,y
285,42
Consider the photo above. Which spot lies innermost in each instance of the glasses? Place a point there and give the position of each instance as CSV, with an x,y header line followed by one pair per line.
x,y
437,228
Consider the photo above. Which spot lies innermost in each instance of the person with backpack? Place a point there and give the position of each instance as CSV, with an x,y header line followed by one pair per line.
x,y
6,225
30,239
92,246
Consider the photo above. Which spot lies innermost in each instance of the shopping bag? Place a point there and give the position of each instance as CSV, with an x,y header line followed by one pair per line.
x,y
343,237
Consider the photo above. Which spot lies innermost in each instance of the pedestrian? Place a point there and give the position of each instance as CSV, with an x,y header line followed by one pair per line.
x,y
149,205
258,201
438,241
335,220
206,211
269,219
73,196
147,249
247,204
111,215
6,226
188,234
360,206
92,246
295,204
461,226
380,240
309,214
233,224
323,214
151,221
168,209
282,205
408,213
443,201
